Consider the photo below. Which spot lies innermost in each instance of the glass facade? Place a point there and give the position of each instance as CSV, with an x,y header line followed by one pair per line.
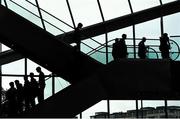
x,y
60,16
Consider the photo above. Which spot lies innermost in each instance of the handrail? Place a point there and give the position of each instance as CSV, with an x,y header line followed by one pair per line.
x,y
97,49
51,16
36,15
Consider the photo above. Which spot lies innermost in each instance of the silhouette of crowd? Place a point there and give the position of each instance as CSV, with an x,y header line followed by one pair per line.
x,y
119,48
21,97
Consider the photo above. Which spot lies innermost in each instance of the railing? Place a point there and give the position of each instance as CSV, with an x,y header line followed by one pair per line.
x,y
153,50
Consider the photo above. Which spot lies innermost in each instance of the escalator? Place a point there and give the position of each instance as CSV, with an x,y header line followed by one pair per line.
x,y
43,48
59,57
126,79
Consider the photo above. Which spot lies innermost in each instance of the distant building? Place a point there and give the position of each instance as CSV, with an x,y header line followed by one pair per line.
x,y
146,112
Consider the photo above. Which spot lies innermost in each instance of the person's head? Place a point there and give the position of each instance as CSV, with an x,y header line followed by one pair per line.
x,y
124,36
16,82
80,25
31,74
11,84
165,35
144,39
38,69
116,40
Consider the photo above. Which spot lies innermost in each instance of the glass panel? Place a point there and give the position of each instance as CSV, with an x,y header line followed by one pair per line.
x,y
99,108
118,34
16,67
167,1
85,11
171,24
122,108
173,108
175,49
48,88
31,67
59,9
60,84
24,13
153,109
139,5
5,48
114,8
7,79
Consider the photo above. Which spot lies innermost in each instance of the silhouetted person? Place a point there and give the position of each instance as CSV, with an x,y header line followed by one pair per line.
x,y
77,36
142,49
164,46
27,90
11,96
41,84
34,89
122,47
115,49
20,96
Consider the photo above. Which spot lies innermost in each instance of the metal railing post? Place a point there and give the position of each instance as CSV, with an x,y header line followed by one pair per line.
x,y
39,10
5,4
134,30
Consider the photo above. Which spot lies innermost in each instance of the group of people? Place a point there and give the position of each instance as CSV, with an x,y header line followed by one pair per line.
x,y
119,48
22,97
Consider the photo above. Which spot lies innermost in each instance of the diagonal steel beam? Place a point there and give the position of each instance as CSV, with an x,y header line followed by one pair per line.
x,y
124,21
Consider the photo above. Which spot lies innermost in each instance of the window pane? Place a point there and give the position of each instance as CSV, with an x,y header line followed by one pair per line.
x,y
85,11
171,24
100,107
16,67
121,108
31,67
167,1
139,5
59,9
114,8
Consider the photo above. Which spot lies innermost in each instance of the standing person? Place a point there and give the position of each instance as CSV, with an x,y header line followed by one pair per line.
x,y
164,46
11,96
27,90
34,89
115,49
20,96
123,47
142,49
77,36
41,84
